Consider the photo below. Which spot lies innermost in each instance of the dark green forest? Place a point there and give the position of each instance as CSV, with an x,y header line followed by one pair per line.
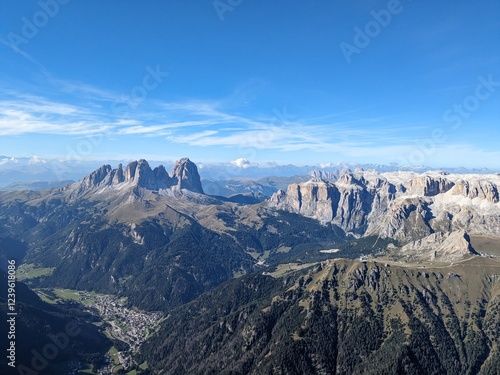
x,y
297,325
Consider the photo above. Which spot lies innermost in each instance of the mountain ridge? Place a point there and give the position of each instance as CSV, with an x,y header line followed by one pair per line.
x,y
369,203
138,173
281,302
29,169
338,317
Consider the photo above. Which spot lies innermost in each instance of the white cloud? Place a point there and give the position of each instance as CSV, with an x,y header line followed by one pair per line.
x,y
37,159
87,91
241,163
126,122
86,110
141,129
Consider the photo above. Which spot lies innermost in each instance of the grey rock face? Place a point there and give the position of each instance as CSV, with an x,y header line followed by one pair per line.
x,y
185,176
348,202
118,176
400,205
429,186
96,177
139,173
477,189
439,246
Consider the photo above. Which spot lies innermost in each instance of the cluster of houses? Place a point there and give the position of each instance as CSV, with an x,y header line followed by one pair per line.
x,y
128,325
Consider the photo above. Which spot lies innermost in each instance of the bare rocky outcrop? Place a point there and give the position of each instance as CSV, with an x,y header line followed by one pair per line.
x,y
477,189
95,178
404,220
313,199
429,186
185,176
400,205
349,202
139,174
440,246
343,203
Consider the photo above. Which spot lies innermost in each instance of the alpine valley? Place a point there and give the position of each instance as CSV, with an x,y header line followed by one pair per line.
x,y
358,272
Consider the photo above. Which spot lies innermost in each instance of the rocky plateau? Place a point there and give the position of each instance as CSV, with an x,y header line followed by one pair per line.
x,y
434,210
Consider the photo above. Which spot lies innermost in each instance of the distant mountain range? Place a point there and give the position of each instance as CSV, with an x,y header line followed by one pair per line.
x,y
39,173
340,271
137,219
118,229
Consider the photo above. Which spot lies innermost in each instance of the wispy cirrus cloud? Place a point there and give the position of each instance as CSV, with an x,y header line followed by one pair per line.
x,y
194,123
84,110
84,91
32,114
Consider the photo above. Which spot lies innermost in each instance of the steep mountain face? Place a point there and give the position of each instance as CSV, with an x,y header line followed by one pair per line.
x,y
398,205
482,189
429,186
139,174
185,176
440,247
348,202
339,317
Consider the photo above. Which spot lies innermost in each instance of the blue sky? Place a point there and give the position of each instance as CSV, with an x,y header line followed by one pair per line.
x,y
303,82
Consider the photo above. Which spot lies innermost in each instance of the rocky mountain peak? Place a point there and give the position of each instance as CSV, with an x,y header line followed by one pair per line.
x,y
96,177
185,176
477,189
400,205
430,185
349,179
139,173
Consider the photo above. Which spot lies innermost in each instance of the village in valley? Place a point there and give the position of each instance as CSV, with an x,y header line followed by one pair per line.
x,y
120,323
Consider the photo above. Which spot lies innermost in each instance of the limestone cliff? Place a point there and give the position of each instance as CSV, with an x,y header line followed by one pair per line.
x,y
185,176
440,246
139,174
401,205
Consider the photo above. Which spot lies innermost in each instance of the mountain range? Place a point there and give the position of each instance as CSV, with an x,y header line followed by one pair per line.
x,y
403,206
36,172
332,273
